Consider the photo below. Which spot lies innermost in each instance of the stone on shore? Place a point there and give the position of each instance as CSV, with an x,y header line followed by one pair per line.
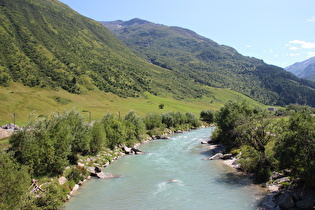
x,y
216,156
227,156
62,180
75,188
91,169
217,148
104,175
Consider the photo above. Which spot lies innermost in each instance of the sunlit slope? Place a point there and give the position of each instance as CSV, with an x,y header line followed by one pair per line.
x,y
24,100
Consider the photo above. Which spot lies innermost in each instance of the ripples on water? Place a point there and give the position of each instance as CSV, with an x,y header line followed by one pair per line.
x,y
200,184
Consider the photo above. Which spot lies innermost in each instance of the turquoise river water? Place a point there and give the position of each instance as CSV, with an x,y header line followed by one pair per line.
x,y
200,184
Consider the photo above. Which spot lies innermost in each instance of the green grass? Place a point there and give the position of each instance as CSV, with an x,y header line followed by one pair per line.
x,y
23,101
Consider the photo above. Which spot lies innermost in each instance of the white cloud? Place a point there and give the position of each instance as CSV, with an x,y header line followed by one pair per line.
x,y
294,54
271,50
248,46
311,54
312,19
293,48
304,44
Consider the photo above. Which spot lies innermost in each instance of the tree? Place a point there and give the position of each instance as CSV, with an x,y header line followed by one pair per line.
x,y
14,183
254,137
135,127
207,116
228,118
161,106
295,150
98,138
115,130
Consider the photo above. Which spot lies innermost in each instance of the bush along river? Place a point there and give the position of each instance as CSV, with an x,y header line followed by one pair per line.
x,y
172,174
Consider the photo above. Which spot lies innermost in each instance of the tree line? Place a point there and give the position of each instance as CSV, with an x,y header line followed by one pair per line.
x,y
268,143
46,146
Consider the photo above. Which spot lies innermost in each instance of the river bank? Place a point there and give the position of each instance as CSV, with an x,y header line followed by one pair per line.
x,y
281,192
96,165
145,181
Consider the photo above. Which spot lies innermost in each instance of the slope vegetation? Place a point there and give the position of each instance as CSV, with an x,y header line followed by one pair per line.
x,y
45,43
208,63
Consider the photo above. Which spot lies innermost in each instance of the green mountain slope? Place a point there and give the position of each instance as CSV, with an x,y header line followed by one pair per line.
x,y
208,63
45,43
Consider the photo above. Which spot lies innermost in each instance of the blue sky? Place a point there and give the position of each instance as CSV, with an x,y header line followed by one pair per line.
x,y
281,32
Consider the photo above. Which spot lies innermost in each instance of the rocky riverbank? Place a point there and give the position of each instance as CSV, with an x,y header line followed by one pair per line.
x,y
282,191
96,166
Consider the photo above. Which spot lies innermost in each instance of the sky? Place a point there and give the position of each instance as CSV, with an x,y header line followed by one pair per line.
x,y
280,32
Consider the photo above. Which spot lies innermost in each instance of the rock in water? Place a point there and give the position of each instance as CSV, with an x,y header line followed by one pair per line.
x,y
104,175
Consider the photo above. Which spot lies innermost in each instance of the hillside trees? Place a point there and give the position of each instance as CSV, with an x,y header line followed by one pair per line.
x,y
207,63
295,150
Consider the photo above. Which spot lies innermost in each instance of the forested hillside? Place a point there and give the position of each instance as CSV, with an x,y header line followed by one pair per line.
x,y
208,63
45,43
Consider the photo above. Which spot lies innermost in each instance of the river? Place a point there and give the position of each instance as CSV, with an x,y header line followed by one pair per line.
x,y
200,184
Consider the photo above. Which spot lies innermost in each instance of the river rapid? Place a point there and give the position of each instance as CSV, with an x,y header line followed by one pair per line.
x,y
145,182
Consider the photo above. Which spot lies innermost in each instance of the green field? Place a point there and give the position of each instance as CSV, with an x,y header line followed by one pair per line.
x,y
23,101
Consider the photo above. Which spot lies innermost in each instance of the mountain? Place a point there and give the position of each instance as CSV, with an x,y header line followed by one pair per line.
x,y
304,69
208,63
44,43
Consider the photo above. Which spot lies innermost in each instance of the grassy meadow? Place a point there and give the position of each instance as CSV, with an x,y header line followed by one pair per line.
x,y
24,100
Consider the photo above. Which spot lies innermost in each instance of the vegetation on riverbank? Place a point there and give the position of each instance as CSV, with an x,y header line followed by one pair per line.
x,y
52,147
268,143
47,146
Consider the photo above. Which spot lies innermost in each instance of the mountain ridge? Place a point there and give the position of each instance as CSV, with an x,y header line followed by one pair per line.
x,y
304,69
206,62
45,43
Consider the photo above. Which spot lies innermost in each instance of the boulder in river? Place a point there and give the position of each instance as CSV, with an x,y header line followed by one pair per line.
x,y
104,175
172,180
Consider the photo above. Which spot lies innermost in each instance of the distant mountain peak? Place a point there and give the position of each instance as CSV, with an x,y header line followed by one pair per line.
x,y
135,21
304,69
112,25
